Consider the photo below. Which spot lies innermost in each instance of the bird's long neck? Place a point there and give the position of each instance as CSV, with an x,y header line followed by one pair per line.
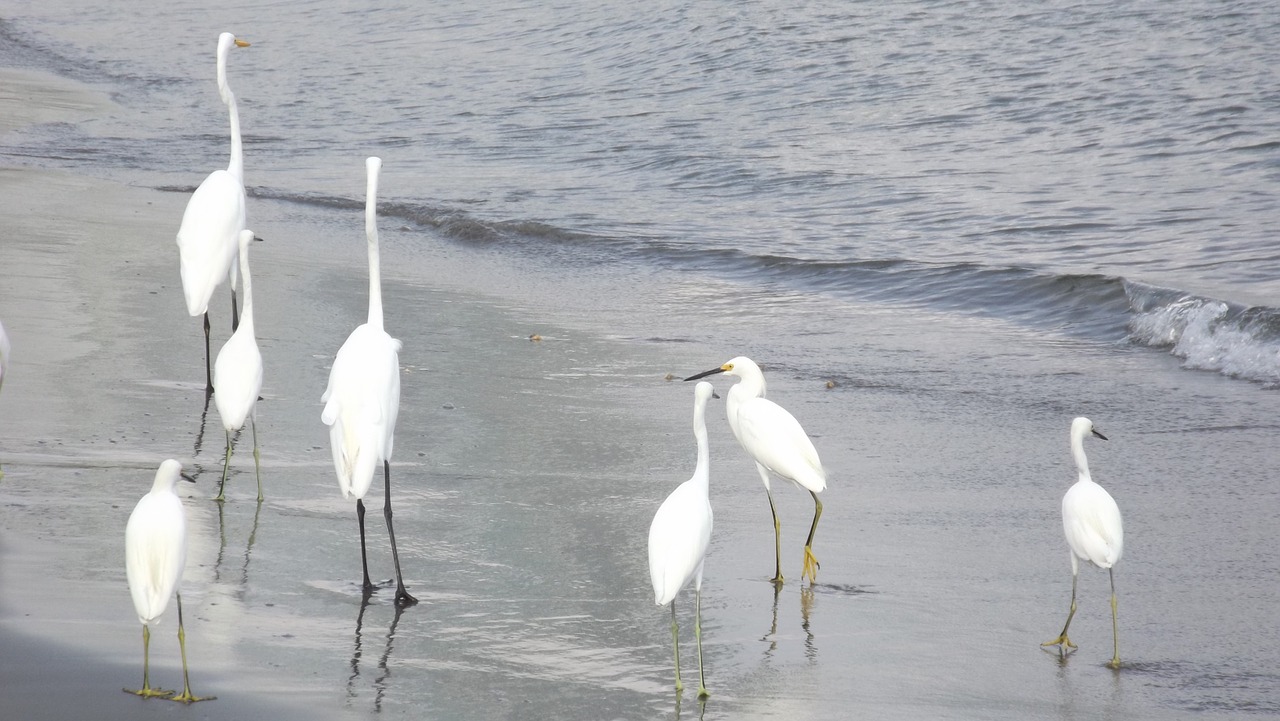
x,y
702,471
375,272
1082,462
236,166
246,314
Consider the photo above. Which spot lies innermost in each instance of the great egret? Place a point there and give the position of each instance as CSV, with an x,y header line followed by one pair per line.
x,y
155,552
363,399
238,374
774,438
680,534
209,235
1091,521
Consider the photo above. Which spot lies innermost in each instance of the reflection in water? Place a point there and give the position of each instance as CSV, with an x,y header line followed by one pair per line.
x,y
197,469
384,672
702,706
242,584
806,607
772,634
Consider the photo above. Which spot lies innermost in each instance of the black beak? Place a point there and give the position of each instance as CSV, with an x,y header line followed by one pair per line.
x,y
258,238
704,374
186,478
714,394
1096,433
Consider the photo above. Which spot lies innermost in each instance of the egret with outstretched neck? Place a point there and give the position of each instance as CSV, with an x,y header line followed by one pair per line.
x,y
363,400
1095,533
680,536
778,444
238,375
155,554
208,239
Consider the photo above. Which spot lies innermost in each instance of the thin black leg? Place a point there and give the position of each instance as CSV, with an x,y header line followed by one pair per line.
x,y
364,557
402,596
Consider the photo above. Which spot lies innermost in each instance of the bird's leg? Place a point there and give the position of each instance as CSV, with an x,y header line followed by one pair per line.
x,y
811,565
697,632
226,463
208,370
675,644
235,314
364,556
1062,639
402,596
146,691
1115,627
186,696
777,539
257,459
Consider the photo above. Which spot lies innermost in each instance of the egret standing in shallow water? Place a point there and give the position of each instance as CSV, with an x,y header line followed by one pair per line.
x,y
208,238
680,534
238,374
774,438
155,552
1091,521
363,399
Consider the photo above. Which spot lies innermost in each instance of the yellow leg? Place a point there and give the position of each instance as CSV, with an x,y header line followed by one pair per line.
x,y
697,632
675,643
186,695
146,691
1062,639
257,470
1115,626
810,567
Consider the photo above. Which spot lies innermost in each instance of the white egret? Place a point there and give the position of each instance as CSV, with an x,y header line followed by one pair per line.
x,y
363,399
155,552
680,534
208,238
237,374
1091,521
774,438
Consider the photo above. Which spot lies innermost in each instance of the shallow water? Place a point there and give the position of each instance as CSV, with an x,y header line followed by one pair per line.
x,y
841,206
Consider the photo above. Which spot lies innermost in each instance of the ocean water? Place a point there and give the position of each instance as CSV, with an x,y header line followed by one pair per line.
x,y
977,219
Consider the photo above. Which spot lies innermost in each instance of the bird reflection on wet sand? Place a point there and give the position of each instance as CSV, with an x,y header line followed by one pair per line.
x,y
357,653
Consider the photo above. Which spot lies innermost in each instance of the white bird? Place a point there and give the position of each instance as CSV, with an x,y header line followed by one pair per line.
x,y
1091,521
155,552
680,535
774,438
363,399
237,374
208,238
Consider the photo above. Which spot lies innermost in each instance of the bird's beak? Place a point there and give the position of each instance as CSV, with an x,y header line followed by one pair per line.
x,y
1096,433
241,43
258,238
186,478
714,394
704,374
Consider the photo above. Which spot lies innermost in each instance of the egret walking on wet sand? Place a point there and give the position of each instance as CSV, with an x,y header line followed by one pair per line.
x,y
1091,521
679,537
363,399
777,443
208,238
238,374
155,552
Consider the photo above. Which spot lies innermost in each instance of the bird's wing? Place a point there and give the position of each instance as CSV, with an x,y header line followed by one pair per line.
x,y
207,239
237,374
155,553
361,404
777,441
1093,525
678,540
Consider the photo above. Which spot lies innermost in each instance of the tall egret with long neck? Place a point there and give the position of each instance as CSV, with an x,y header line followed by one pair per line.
x,y
680,535
237,374
777,443
208,238
155,553
363,399
1095,533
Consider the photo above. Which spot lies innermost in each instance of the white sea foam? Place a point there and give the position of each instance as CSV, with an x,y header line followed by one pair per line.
x,y
1210,335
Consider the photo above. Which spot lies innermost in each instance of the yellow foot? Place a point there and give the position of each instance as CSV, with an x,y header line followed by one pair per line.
x,y
187,697
150,692
1114,663
811,566
1062,641
703,692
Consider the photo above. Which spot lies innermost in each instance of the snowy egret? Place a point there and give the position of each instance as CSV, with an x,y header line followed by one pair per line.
x,y
363,399
1091,521
208,238
774,438
680,534
155,552
237,374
